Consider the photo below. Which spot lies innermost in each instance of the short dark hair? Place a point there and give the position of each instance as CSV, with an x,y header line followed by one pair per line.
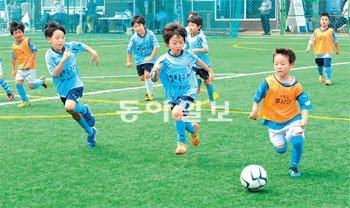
x,y
173,29
196,19
51,27
192,13
138,19
14,26
285,52
325,14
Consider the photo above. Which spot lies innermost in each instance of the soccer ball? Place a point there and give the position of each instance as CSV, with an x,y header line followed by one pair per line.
x,y
253,177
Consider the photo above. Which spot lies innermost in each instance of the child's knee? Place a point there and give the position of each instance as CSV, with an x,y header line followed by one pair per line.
x,y
207,82
281,149
31,86
69,108
177,113
146,76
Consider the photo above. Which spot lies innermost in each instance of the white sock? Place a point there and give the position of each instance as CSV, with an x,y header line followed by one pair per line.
x,y
149,85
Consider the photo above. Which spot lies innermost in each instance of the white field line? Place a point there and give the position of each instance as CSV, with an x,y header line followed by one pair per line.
x,y
157,85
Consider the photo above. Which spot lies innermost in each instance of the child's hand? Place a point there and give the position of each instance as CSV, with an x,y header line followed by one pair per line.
x,y
128,64
148,58
194,51
27,66
211,76
337,52
303,123
95,59
253,115
308,49
67,54
13,73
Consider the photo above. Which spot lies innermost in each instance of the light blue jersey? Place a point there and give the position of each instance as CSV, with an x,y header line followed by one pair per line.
x,y
199,41
177,75
142,47
69,77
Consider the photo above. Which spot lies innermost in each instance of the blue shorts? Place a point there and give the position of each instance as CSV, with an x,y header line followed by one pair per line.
x,y
73,94
144,67
184,101
323,62
201,72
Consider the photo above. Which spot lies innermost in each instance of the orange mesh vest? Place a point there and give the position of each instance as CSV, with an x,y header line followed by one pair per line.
x,y
280,102
323,42
22,53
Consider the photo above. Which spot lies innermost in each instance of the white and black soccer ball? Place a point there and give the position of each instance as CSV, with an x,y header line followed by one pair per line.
x,y
253,177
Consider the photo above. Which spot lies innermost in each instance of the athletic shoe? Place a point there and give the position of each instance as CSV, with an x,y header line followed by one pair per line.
x,y
44,81
89,117
195,137
320,79
149,97
91,142
181,148
24,104
328,82
294,172
10,97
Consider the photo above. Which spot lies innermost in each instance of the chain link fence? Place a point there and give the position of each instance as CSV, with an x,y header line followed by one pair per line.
x,y
220,17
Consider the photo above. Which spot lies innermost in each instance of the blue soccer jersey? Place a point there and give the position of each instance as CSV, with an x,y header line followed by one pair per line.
x,y
177,76
199,41
69,77
142,47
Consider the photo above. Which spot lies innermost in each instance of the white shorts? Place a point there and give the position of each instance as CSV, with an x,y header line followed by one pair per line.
x,y
284,135
26,74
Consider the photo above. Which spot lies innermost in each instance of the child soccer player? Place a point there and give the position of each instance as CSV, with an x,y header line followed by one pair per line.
x,y
174,69
24,53
279,109
4,84
62,65
324,41
198,44
143,43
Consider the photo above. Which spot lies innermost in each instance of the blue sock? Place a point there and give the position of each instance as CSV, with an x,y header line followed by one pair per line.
x,y
79,108
5,86
82,122
328,72
22,92
37,84
210,89
320,70
180,130
298,143
189,127
199,81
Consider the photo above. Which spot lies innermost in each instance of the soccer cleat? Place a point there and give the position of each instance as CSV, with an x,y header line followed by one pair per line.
x,y
24,104
195,137
89,117
320,79
294,172
181,148
10,96
44,81
91,142
328,82
149,97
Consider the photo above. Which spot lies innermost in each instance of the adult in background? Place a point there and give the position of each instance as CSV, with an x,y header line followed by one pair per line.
x,y
16,12
344,19
91,15
58,12
265,9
